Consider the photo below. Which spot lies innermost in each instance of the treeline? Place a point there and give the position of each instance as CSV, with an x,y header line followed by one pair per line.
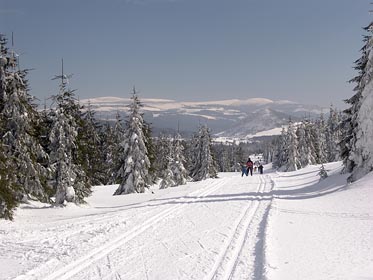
x,y
305,143
56,154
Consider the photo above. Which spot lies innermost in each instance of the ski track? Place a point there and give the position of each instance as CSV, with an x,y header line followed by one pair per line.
x,y
247,234
85,226
243,242
74,267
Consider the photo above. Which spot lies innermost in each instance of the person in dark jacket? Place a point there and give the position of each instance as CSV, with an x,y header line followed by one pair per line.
x,y
250,165
260,168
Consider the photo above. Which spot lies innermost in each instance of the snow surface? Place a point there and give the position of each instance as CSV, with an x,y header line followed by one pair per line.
x,y
271,226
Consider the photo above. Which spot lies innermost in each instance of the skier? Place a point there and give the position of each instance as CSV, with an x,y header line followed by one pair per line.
x,y
249,165
260,169
243,169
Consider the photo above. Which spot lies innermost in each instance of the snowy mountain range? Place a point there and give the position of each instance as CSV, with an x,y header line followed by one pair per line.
x,y
231,118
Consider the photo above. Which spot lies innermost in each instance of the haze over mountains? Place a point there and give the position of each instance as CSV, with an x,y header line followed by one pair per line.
x,y
231,118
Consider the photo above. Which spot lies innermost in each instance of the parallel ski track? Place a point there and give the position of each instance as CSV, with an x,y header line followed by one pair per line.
x,y
229,256
86,260
102,217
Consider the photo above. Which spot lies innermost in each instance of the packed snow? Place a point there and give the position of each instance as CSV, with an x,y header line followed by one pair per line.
x,y
272,226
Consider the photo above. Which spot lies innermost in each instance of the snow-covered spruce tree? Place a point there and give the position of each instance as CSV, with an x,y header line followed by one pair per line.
x,y
306,147
362,143
10,192
203,163
350,124
332,135
177,167
167,176
292,162
303,149
133,173
69,179
280,144
312,140
321,131
18,133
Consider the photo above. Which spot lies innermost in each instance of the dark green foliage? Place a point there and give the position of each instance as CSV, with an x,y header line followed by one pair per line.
x,y
151,154
89,155
10,191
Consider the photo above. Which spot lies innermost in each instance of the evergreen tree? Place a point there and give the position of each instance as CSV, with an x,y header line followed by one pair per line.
x,y
19,128
311,141
151,153
303,148
279,157
167,176
163,152
115,152
292,162
350,124
133,173
108,145
89,155
10,191
322,155
203,163
362,150
222,155
333,135
69,179
177,167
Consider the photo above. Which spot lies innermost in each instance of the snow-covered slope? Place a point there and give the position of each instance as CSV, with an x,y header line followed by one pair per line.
x,y
229,118
320,230
271,226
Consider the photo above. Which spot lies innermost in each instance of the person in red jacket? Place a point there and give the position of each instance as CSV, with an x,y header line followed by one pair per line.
x,y
249,165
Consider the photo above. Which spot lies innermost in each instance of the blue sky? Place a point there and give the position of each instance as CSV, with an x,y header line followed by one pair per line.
x,y
191,50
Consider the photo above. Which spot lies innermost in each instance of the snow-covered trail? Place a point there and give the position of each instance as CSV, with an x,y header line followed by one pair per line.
x,y
273,226
208,230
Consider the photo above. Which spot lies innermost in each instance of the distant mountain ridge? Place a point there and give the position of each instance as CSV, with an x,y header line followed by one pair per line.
x,y
227,118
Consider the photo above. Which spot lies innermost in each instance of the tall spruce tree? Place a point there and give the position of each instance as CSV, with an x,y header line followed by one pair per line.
x,y
19,125
9,190
303,146
280,143
69,179
333,135
203,163
321,131
350,124
292,162
362,148
177,165
133,173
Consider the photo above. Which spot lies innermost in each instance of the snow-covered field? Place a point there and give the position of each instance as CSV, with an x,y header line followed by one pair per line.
x,y
271,226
